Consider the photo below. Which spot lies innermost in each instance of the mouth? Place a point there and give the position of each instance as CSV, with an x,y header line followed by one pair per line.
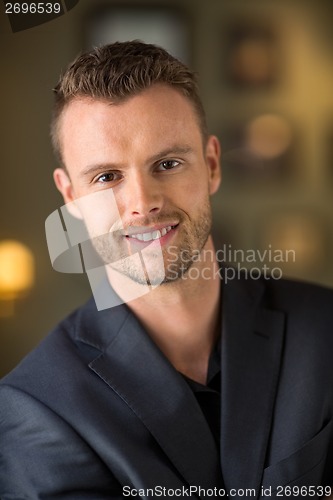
x,y
152,234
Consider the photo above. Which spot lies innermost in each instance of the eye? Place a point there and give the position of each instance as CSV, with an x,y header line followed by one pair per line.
x,y
167,165
108,177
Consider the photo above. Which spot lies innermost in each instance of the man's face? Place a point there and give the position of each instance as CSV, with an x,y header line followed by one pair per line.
x,y
148,175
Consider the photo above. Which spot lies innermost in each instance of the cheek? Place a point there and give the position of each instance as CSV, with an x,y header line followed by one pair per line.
x,y
192,193
100,212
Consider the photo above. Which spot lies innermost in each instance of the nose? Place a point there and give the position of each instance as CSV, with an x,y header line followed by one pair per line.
x,y
143,196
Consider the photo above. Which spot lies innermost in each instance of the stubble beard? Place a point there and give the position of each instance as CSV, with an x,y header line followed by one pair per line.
x,y
164,266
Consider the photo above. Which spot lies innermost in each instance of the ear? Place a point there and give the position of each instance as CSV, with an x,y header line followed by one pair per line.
x,y
213,155
64,185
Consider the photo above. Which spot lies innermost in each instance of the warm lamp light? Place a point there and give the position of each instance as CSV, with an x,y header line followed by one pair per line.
x,y
16,273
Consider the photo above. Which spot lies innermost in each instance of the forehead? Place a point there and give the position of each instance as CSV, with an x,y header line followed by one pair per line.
x,y
147,120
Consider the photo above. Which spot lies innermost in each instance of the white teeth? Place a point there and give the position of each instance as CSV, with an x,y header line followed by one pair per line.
x,y
147,236
154,235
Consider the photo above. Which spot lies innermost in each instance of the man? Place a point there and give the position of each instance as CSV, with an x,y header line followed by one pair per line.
x,y
182,391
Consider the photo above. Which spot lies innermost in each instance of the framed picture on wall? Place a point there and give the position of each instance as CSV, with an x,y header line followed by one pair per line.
x,y
251,56
259,149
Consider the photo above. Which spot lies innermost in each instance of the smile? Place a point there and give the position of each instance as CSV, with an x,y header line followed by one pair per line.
x,y
151,235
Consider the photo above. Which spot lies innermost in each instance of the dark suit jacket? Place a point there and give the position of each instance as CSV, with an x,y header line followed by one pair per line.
x,y
97,406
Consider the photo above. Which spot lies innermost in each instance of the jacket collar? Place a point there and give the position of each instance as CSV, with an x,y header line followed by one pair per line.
x,y
133,367
131,364
251,356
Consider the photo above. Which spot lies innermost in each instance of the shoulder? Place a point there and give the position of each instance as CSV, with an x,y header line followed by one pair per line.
x,y
301,299
308,317
307,308
301,313
60,338
299,288
63,356
288,294
45,362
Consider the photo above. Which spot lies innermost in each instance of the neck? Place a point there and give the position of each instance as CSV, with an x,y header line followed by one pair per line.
x,y
182,317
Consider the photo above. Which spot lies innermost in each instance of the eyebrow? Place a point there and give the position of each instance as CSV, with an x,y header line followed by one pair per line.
x,y
174,150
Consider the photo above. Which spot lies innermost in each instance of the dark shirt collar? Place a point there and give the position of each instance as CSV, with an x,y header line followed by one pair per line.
x,y
213,373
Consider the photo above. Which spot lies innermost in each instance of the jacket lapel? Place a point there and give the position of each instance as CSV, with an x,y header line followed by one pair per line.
x,y
140,374
251,352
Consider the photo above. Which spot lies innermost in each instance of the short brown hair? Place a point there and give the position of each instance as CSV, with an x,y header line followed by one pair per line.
x,y
121,70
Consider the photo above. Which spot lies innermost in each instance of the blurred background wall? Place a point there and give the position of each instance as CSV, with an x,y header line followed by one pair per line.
x,y
266,75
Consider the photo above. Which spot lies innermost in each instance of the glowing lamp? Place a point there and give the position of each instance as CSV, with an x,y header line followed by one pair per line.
x,y
16,273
